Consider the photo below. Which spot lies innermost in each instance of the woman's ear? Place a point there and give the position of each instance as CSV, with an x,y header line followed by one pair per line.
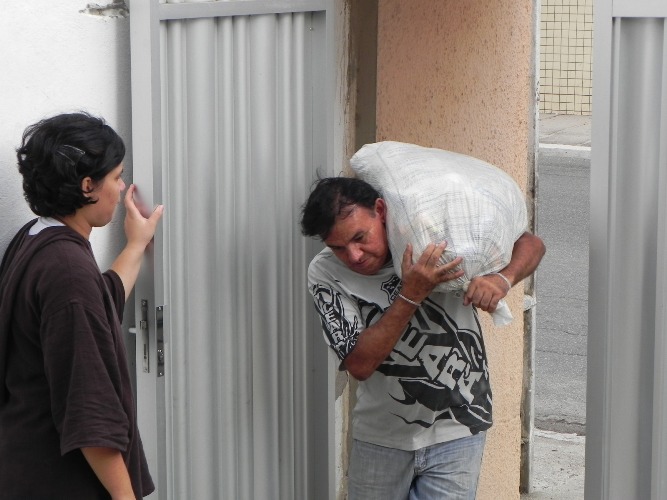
x,y
87,185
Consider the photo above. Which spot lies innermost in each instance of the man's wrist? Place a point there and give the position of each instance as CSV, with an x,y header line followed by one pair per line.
x,y
505,279
409,301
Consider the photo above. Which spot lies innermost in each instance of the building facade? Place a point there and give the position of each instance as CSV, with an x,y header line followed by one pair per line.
x,y
566,56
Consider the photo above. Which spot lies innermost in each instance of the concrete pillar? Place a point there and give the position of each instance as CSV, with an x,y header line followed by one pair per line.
x,y
460,76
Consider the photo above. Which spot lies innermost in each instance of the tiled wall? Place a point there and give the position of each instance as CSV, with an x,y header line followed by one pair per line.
x,y
566,47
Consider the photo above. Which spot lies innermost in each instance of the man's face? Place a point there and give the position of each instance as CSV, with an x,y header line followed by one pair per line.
x,y
359,238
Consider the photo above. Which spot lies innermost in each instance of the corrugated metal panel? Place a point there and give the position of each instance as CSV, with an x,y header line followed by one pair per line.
x,y
626,449
243,133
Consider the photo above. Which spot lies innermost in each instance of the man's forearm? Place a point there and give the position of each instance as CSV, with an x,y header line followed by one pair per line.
x,y
484,292
377,341
526,255
419,279
110,469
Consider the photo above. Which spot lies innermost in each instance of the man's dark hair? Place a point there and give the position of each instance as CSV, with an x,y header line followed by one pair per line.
x,y
329,199
57,153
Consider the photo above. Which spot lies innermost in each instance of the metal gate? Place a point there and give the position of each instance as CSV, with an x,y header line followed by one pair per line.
x,y
626,436
231,123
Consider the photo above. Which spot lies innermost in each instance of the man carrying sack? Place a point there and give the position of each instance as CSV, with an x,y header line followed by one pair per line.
x,y
424,396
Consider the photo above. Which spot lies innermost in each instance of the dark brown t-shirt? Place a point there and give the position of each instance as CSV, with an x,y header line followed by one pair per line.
x,y
64,380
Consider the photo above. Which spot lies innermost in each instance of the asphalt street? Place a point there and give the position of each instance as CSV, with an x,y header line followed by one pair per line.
x,y
562,281
563,166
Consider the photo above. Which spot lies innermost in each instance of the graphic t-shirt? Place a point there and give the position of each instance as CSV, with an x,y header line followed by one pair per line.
x,y
434,385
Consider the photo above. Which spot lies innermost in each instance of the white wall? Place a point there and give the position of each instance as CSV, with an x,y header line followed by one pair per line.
x,y
57,57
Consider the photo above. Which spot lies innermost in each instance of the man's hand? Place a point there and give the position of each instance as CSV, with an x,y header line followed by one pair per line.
x,y
484,292
419,279
377,341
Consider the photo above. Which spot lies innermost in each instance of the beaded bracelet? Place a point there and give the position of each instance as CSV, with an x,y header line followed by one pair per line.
x,y
416,304
509,285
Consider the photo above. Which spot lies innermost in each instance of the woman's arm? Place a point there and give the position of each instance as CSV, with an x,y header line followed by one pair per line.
x,y
110,469
139,231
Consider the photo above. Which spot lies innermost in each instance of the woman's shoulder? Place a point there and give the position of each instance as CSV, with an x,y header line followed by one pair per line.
x,y
65,252
64,271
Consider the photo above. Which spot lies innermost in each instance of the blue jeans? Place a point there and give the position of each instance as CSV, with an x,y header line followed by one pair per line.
x,y
447,470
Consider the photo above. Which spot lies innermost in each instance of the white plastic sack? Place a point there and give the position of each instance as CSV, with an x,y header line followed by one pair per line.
x,y
434,195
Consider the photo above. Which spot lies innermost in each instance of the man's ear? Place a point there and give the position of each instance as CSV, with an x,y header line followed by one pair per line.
x,y
381,209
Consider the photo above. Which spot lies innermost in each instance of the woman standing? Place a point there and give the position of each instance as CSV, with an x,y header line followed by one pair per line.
x,y
67,415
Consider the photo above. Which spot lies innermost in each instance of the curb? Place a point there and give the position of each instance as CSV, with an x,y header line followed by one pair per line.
x,y
564,146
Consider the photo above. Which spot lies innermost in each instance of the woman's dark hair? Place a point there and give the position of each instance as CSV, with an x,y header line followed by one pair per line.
x,y
57,153
329,199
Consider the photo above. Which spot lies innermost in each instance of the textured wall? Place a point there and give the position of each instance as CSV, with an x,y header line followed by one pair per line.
x,y
460,76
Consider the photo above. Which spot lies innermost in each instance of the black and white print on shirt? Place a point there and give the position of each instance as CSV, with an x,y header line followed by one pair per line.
x,y
341,334
437,364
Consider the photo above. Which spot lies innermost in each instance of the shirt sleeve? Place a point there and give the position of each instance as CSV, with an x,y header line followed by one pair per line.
x,y
85,384
117,291
339,314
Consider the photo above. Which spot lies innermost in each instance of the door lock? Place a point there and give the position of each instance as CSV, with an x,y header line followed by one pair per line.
x,y
143,326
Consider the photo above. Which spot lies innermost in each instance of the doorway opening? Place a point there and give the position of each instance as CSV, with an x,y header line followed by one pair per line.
x,y
563,184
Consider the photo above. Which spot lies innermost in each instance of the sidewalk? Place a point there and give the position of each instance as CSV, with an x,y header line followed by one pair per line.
x,y
558,466
559,459
565,130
